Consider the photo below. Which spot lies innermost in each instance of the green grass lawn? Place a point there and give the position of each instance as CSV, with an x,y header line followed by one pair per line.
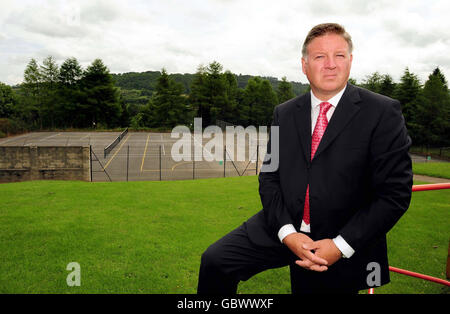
x,y
433,169
147,237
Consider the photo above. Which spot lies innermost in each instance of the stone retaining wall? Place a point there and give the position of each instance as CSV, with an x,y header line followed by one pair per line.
x,y
22,163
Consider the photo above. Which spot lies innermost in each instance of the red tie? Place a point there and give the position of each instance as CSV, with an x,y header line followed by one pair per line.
x,y
319,129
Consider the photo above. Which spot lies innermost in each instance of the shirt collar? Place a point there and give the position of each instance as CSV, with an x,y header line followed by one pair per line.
x,y
333,100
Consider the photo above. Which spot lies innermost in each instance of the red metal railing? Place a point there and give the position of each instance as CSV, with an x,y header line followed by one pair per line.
x,y
417,188
430,187
417,275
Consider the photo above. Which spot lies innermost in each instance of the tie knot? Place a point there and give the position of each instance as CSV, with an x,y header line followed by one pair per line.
x,y
324,107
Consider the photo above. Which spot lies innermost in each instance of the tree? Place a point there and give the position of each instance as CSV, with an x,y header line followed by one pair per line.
x,y
432,115
240,117
373,82
284,91
230,111
387,85
100,103
70,72
168,106
212,93
32,77
250,101
30,98
216,88
259,101
406,92
70,75
144,118
199,97
49,72
268,102
352,81
7,101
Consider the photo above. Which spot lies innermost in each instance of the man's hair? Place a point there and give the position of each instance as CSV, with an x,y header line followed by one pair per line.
x,y
323,29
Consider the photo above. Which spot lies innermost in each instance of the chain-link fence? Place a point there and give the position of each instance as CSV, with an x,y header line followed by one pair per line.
x,y
158,156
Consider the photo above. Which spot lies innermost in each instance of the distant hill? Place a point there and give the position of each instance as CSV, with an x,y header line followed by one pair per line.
x,y
137,87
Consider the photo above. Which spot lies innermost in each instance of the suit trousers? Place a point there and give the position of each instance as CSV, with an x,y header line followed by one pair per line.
x,y
235,258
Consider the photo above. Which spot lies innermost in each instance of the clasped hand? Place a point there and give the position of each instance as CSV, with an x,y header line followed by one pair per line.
x,y
314,255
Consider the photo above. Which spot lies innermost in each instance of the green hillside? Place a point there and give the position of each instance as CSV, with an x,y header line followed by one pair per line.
x,y
137,87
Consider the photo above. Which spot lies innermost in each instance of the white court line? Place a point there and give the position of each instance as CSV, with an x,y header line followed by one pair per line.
x,y
89,134
145,152
31,138
30,143
45,138
14,138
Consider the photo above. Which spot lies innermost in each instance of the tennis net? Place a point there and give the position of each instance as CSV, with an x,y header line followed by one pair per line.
x,y
114,143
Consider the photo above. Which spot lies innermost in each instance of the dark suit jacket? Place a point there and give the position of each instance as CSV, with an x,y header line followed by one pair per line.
x,y
360,180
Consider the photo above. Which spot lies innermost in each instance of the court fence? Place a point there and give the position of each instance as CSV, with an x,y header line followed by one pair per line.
x,y
439,153
158,165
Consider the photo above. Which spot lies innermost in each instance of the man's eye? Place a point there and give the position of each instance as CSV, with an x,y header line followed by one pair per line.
x,y
318,57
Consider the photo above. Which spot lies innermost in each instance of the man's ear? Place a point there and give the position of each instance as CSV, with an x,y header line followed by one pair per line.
x,y
304,65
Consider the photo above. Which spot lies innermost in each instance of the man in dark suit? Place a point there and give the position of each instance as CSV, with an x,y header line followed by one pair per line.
x,y
343,180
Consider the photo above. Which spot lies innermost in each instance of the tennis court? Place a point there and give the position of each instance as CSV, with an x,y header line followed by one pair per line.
x,y
145,156
148,156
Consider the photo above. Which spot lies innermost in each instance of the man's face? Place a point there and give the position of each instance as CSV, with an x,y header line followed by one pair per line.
x,y
327,65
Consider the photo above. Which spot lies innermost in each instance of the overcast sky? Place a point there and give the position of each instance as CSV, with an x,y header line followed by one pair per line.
x,y
249,37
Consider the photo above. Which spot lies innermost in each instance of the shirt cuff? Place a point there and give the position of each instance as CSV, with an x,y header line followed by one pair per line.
x,y
285,231
346,250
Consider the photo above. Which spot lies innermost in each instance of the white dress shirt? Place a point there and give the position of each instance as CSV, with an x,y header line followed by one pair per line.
x,y
341,244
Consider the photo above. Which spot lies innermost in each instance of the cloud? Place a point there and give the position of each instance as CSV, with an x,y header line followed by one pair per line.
x,y
421,33
258,37
99,12
52,21
350,7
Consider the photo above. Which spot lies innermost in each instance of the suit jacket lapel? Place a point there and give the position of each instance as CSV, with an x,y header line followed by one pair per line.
x,y
344,113
303,122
